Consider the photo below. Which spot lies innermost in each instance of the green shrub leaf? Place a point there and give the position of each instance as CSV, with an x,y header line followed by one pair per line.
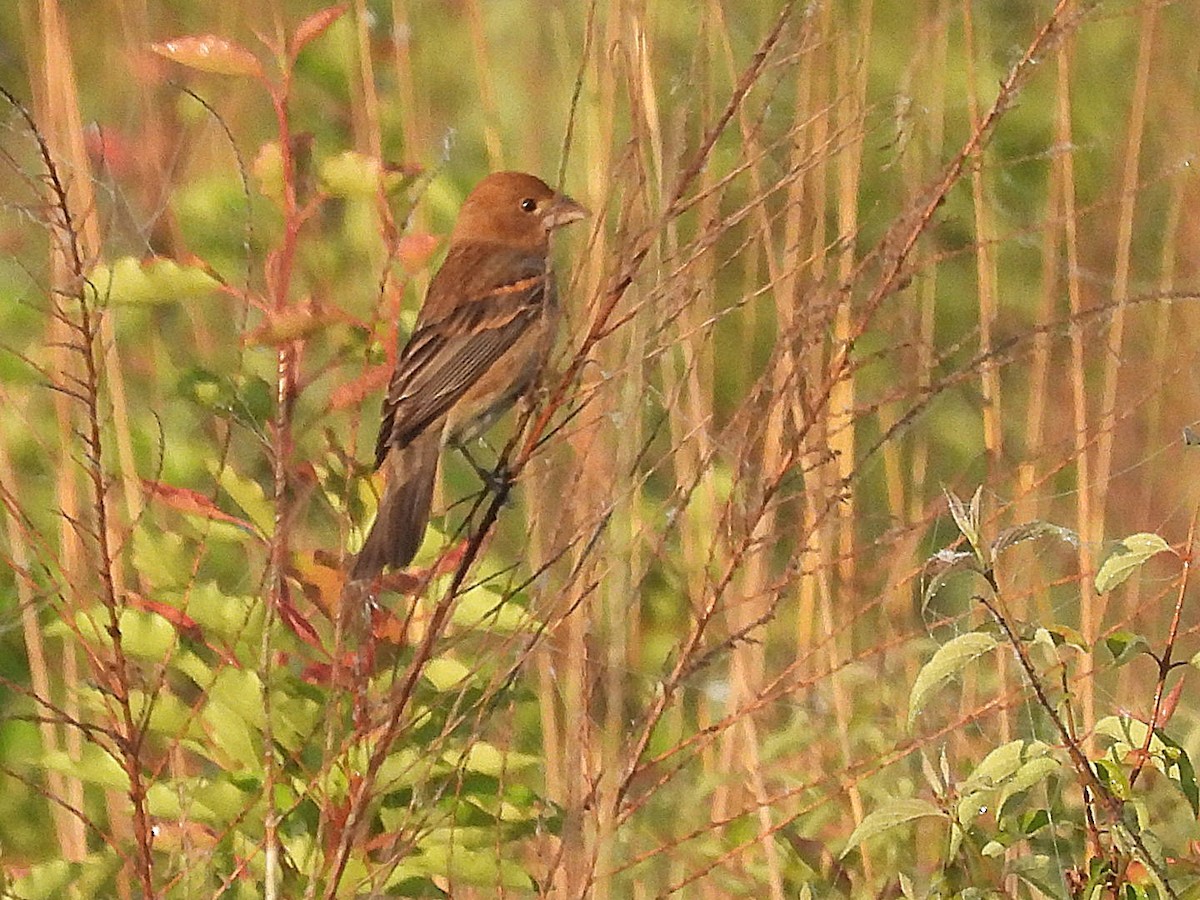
x,y
1126,556
153,281
1125,645
889,816
948,661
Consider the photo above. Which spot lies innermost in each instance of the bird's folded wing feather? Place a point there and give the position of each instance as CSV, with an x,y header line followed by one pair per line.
x,y
479,304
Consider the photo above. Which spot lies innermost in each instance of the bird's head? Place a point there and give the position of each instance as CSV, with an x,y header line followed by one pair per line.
x,y
515,209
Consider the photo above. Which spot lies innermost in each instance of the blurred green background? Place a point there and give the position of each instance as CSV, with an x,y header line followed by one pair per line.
x,y
719,566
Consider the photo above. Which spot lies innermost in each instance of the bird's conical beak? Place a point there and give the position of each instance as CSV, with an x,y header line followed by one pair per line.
x,y
564,211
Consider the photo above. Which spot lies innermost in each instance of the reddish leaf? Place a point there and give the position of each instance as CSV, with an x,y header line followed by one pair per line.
x,y
352,393
317,673
402,582
379,842
414,250
192,503
451,559
389,628
320,580
110,149
300,627
326,558
209,53
177,617
1170,701
294,324
321,674
174,836
314,26
336,813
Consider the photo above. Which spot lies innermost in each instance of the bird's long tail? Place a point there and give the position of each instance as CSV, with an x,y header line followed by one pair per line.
x,y
404,509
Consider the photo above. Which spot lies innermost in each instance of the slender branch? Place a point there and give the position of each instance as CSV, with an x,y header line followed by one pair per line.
x,y
1165,664
1079,762
85,298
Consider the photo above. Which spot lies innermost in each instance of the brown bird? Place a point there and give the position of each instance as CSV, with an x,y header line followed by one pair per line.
x,y
480,340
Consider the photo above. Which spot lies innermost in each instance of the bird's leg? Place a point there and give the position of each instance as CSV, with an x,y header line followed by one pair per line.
x,y
495,480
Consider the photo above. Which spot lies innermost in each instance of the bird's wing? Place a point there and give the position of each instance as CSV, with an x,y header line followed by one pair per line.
x,y
481,300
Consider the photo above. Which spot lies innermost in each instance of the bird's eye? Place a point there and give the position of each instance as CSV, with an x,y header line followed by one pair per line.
x,y
529,204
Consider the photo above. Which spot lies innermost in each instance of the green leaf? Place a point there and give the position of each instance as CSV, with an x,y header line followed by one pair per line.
x,y
401,884
1123,732
952,563
248,400
1031,531
193,667
403,768
250,497
993,769
948,661
293,720
222,796
488,759
205,388
232,736
446,674
487,609
1030,774
254,402
889,816
1007,770
234,714
1040,871
146,635
993,849
267,170
229,617
351,174
1185,777
143,635
177,798
1113,776
1187,781
94,766
161,557
169,716
58,878
1127,556
1034,821
1001,762
954,843
481,868
936,782
967,519
1125,645
1065,635
158,280
240,691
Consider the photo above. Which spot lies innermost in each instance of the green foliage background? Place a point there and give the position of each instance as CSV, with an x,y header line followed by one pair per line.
x,y
846,261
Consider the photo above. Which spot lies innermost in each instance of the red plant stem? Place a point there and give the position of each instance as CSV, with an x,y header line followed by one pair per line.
x,y
1164,663
129,736
279,276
